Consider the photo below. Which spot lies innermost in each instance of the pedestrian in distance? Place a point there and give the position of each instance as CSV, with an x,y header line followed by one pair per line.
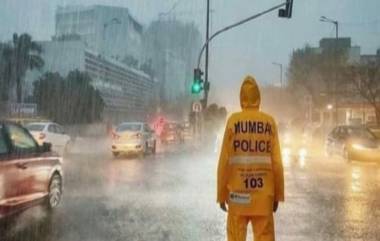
x,y
250,178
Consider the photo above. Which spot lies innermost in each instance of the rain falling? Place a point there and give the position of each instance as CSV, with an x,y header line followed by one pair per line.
x,y
184,120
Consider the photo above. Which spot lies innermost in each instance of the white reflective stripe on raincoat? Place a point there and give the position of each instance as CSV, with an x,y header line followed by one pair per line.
x,y
251,160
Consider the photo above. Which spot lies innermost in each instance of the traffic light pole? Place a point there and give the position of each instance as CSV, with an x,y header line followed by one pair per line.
x,y
207,53
233,26
209,39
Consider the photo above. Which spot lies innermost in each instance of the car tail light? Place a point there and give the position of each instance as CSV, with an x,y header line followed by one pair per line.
x,y
41,136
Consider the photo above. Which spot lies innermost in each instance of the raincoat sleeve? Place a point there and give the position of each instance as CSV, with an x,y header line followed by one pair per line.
x,y
222,191
278,171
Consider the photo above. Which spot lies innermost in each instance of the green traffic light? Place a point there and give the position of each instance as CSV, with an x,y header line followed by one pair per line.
x,y
196,88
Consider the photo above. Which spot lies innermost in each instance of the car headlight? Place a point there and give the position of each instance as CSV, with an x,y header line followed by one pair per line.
x,y
302,152
358,146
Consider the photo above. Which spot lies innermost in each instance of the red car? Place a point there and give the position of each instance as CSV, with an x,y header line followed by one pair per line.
x,y
171,133
29,174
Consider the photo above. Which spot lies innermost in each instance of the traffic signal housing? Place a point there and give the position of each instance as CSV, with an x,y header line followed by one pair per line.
x,y
287,12
197,85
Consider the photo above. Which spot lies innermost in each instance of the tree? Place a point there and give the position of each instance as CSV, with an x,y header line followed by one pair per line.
x,y
318,72
305,74
70,100
25,55
215,118
365,79
47,93
6,53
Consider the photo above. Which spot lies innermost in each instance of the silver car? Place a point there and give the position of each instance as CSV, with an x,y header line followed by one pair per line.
x,y
133,138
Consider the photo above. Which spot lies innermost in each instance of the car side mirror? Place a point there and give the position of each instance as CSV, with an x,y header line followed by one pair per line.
x,y
46,147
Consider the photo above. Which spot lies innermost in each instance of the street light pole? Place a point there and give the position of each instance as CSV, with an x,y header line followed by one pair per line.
x,y
336,24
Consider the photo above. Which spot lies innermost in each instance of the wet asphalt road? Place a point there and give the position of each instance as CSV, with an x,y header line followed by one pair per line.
x,y
171,196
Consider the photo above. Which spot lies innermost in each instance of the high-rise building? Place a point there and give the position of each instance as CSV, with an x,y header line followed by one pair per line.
x,y
172,47
108,30
127,92
370,58
342,44
104,42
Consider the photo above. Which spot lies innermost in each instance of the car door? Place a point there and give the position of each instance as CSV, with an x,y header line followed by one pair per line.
x,y
62,138
9,177
33,166
54,137
50,131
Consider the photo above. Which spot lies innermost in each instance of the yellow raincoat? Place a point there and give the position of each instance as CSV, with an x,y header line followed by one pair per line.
x,y
250,171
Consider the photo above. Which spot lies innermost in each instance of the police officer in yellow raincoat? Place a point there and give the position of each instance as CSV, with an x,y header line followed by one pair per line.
x,y
250,171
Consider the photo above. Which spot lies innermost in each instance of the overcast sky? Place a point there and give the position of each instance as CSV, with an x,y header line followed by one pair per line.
x,y
249,49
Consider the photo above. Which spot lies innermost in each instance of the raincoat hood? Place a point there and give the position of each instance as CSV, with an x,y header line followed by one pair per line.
x,y
250,94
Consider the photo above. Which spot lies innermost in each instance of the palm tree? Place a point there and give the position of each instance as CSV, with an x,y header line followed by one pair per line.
x,y
26,55
6,53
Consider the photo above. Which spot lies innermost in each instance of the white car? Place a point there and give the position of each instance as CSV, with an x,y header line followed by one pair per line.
x,y
133,137
50,132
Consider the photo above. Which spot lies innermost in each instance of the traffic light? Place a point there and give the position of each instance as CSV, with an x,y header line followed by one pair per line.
x,y
287,12
196,88
197,85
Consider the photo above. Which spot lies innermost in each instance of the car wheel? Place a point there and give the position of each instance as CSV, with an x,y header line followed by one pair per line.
x,y
115,154
55,192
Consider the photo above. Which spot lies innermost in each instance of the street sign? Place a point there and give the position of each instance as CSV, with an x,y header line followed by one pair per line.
x,y
197,106
27,109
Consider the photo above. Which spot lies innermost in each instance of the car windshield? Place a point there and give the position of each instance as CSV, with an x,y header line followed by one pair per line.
x,y
361,133
35,127
128,127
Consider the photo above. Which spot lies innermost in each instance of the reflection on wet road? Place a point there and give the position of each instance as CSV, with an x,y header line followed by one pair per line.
x,y
171,196
329,199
